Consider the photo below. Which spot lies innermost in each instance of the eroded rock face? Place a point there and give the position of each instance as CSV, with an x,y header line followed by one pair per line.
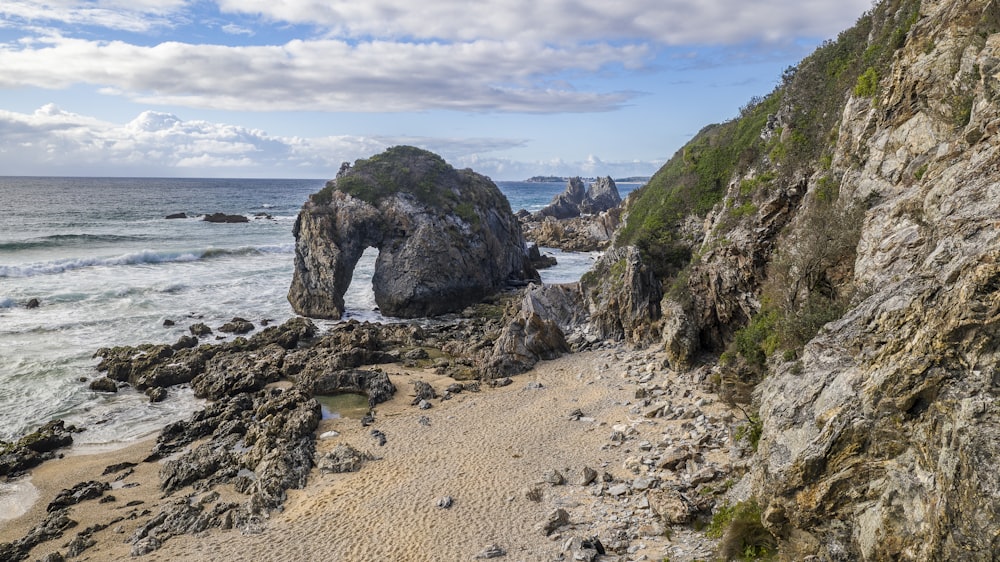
x,y
883,442
578,199
446,237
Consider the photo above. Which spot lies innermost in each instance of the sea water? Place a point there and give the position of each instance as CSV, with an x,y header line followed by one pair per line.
x,y
109,269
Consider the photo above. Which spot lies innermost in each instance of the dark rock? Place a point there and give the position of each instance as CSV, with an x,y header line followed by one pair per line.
x,y
576,200
167,323
185,342
233,373
422,392
156,394
115,468
373,383
177,216
224,218
237,326
595,544
52,527
104,384
34,448
537,260
33,303
446,237
81,492
200,329
379,437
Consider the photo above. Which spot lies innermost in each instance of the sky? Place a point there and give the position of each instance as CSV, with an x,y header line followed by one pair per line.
x,y
293,88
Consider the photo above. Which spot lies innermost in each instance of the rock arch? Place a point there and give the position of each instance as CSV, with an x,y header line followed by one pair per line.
x,y
446,238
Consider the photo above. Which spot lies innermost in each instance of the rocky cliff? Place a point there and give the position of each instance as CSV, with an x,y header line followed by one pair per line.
x,y
578,199
446,237
838,245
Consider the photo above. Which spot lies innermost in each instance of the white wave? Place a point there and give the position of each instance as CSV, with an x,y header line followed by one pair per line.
x,y
7,303
139,258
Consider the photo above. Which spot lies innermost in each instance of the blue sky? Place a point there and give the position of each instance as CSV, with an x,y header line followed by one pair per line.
x,y
292,88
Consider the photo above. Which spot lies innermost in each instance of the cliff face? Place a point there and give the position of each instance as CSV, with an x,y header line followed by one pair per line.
x,y
840,242
882,442
446,237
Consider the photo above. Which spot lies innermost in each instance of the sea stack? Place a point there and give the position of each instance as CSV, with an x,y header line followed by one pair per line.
x,y
446,238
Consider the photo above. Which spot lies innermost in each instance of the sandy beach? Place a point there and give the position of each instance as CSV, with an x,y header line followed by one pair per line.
x,y
491,452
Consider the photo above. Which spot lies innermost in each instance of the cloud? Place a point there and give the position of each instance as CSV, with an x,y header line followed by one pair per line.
x,y
138,16
666,22
325,75
52,141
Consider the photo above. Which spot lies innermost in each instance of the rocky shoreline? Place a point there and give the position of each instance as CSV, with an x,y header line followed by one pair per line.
x,y
234,464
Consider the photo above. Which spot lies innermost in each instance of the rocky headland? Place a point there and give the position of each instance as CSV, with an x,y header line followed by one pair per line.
x,y
580,219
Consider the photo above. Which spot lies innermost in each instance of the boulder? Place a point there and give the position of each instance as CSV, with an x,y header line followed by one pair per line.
x,y
446,238
177,216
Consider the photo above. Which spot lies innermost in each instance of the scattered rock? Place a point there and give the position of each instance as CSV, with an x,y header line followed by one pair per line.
x,y
237,326
576,414
491,551
200,329
33,303
104,384
167,323
422,392
587,476
445,502
156,394
670,505
379,437
81,492
343,458
554,477
553,521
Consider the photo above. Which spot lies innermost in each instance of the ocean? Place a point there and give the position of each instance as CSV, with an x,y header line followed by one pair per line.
x,y
109,269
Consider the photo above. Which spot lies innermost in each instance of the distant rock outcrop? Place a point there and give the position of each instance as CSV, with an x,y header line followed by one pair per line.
x,y
577,200
446,237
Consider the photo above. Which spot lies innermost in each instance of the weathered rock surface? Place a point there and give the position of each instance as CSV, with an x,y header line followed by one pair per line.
x,y
577,234
34,448
623,297
532,332
446,237
577,199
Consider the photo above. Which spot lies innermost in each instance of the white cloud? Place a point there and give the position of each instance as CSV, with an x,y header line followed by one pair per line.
x,y
326,75
124,15
53,141
668,22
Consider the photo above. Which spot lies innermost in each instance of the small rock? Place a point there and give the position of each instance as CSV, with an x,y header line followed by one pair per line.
x,y
588,476
491,551
553,521
506,381
177,216
343,458
424,405
379,436
104,384
534,385
669,505
237,326
576,414
156,393
445,502
33,303
554,477
534,494
168,323
424,421
618,490
329,434
200,329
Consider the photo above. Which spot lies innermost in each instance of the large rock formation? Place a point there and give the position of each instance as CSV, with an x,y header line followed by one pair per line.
x,y
577,199
446,237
